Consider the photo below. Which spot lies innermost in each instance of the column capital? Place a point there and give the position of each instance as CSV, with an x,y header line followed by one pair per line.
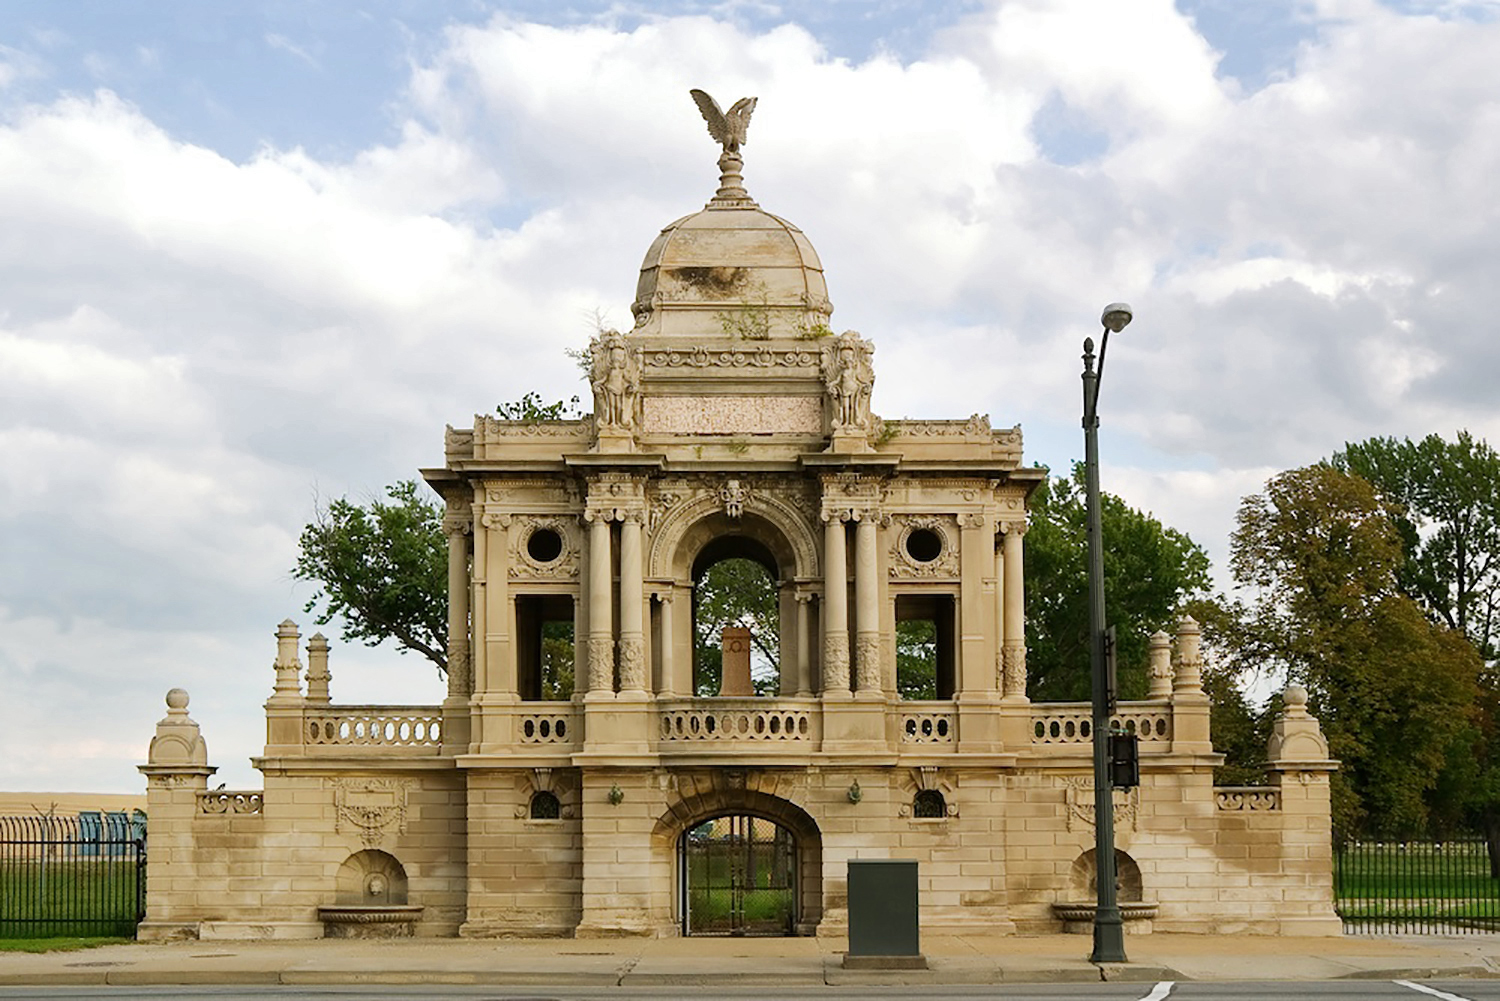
x,y
1016,528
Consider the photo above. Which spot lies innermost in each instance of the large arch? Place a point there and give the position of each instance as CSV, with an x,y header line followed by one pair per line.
x,y
722,801
769,520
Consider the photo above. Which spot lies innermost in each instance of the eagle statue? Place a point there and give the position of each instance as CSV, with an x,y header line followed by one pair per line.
x,y
729,130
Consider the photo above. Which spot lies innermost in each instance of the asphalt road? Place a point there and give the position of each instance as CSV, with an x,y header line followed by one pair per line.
x,y
1335,990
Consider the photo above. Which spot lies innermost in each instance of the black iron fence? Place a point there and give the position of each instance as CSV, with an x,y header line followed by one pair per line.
x,y
1415,887
82,875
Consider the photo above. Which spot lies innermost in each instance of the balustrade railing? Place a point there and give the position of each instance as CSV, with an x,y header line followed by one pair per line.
x,y
374,726
555,726
1253,799
932,726
740,720
1072,722
231,801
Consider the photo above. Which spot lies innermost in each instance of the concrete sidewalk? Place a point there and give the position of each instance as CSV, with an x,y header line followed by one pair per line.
x,y
953,959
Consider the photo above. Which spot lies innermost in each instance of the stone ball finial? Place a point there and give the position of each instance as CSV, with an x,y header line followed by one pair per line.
x,y
177,701
1294,697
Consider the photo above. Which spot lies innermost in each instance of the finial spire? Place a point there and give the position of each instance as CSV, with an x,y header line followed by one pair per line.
x,y
729,131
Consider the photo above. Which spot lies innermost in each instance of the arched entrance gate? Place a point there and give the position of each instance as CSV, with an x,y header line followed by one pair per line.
x,y
738,875
748,862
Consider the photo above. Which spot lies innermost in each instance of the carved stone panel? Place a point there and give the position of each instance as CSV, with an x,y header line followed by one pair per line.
x,y
732,415
375,808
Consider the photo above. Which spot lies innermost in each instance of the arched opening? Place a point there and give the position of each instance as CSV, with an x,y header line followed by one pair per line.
x,y
738,877
737,626
929,804
371,878
1085,875
786,849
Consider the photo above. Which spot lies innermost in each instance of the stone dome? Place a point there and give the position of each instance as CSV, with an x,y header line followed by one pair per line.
x,y
731,268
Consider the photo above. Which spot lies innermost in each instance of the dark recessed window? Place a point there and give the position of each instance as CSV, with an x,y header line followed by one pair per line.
x,y
544,806
929,803
924,545
544,545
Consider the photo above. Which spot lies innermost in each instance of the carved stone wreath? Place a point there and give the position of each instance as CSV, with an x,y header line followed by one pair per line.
x,y
945,527
565,564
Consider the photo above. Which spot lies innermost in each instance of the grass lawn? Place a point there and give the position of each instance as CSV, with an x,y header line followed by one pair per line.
x,y
1445,882
67,898
55,944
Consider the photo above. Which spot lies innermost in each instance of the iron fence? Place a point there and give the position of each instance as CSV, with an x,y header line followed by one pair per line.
x,y
1416,887
82,875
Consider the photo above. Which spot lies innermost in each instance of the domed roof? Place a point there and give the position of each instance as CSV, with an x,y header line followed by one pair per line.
x,y
731,268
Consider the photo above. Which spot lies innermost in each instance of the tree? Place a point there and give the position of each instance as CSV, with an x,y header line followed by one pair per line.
x,y
1149,570
1446,507
916,659
735,592
382,570
1394,691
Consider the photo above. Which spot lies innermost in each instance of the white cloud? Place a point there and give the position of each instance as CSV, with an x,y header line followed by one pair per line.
x,y
193,345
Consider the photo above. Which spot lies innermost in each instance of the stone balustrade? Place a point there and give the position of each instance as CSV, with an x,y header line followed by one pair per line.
x,y
1250,799
933,726
1072,722
230,801
555,726
737,720
373,726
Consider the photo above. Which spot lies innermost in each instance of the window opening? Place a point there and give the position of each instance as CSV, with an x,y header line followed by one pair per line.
x,y
544,647
545,806
735,587
925,645
929,804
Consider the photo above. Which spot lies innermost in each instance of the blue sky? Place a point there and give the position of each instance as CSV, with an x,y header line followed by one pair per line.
x,y
258,254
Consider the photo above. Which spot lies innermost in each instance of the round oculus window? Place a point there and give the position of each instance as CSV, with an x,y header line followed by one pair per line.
x,y
544,545
924,545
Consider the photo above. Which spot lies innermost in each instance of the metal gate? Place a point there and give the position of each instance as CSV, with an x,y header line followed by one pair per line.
x,y
74,876
738,877
1416,887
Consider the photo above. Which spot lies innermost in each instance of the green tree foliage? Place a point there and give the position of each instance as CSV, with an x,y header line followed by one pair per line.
x,y
916,659
1446,498
382,570
1394,691
530,408
557,660
735,592
1149,570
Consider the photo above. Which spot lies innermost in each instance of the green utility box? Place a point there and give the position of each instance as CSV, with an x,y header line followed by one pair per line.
x,y
883,925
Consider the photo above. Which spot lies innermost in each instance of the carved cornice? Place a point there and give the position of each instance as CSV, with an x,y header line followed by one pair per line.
x,y
733,358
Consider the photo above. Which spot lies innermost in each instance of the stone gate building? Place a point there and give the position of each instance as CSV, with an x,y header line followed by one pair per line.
x,y
730,422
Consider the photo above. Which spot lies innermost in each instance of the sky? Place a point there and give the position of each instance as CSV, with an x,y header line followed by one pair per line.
x,y
257,255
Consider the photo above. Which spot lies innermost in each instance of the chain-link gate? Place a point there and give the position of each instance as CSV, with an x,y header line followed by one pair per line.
x,y
738,877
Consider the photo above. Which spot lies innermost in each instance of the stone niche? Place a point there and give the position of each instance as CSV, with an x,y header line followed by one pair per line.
x,y
371,900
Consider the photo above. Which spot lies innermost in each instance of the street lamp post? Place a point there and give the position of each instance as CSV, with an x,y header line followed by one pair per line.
x,y
1109,930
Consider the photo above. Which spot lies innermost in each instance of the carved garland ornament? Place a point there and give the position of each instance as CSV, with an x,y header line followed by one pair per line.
x,y
376,808
1080,799
701,357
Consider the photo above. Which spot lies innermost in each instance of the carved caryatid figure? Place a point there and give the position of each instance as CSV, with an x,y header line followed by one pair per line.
x,y
615,378
849,377
728,130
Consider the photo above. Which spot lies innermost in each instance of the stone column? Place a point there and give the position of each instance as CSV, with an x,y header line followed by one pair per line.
x,y
974,677
1190,706
601,660
632,633
804,646
835,609
867,606
999,611
177,772
668,683
460,683
1014,646
288,688
1160,661
317,670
